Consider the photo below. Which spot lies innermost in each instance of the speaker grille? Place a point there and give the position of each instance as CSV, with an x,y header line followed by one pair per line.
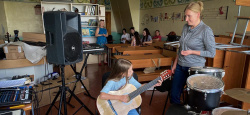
x,y
72,46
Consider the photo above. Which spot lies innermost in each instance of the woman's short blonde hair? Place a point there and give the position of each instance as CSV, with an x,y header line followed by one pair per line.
x,y
101,20
195,6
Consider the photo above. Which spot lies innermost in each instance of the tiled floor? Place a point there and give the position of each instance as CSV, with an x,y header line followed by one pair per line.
x,y
94,73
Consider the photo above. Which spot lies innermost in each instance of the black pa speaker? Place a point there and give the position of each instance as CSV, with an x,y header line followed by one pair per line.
x,y
63,37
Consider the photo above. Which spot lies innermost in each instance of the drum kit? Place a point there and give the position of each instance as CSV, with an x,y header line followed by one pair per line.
x,y
205,87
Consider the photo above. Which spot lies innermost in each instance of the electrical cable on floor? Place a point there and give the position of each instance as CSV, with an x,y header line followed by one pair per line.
x,y
37,109
37,100
50,98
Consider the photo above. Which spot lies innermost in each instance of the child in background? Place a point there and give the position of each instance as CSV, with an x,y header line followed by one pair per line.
x,y
125,37
136,41
132,31
157,36
147,39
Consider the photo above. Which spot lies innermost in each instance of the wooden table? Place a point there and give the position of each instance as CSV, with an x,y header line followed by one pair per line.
x,y
145,77
26,107
143,61
236,66
137,50
247,35
111,49
8,64
158,44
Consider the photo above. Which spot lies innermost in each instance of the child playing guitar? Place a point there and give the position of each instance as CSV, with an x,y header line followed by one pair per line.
x,y
120,76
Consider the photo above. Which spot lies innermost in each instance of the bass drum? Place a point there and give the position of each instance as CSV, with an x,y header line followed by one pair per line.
x,y
217,72
204,91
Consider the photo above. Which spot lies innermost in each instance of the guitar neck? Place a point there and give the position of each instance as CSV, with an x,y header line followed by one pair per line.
x,y
140,90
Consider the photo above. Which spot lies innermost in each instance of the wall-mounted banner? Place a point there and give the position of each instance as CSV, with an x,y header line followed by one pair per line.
x,y
22,0
147,4
157,3
106,3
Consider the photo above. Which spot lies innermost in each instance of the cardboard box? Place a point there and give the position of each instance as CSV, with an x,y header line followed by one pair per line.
x,y
14,56
49,95
13,49
68,71
13,52
79,88
1,41
34,37
79,67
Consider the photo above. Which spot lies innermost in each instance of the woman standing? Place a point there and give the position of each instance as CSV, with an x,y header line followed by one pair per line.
x,y
101,33
196,43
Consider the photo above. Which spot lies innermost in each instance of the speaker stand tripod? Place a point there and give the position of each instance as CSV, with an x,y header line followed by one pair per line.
x,y
62,91
78,76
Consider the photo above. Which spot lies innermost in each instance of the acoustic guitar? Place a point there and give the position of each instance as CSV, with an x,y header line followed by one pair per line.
x,y
116,107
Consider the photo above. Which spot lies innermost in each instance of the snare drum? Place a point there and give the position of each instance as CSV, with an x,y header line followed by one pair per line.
x,y
204,91
217,72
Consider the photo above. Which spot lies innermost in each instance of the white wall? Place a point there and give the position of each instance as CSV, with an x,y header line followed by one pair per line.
x,y
219,26
135,13
38,71
113,25
3,22
21,16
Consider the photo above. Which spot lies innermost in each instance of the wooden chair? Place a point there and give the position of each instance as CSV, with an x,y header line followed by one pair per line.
x,y
110,39
166,86
247,18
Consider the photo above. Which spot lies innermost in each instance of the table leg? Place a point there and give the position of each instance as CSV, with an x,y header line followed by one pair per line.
x,y
108,56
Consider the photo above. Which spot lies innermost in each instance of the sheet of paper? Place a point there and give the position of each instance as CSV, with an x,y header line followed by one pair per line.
x,y
12,83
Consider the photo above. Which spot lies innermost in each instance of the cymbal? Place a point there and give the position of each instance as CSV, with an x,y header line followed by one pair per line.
x,y
234,113
240,94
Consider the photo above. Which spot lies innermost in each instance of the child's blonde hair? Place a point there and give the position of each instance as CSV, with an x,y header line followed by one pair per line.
x,y
120,67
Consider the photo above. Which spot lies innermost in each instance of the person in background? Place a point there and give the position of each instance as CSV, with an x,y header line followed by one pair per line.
x,y
101,33
196,42
125,37
146,37
132,31
136,41
157,36
171,36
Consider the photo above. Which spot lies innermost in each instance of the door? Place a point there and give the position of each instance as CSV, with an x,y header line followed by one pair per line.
x,y
108,21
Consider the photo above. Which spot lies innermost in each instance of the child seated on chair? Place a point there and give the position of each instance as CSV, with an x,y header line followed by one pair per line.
x,y
157,36
120,76
136,41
